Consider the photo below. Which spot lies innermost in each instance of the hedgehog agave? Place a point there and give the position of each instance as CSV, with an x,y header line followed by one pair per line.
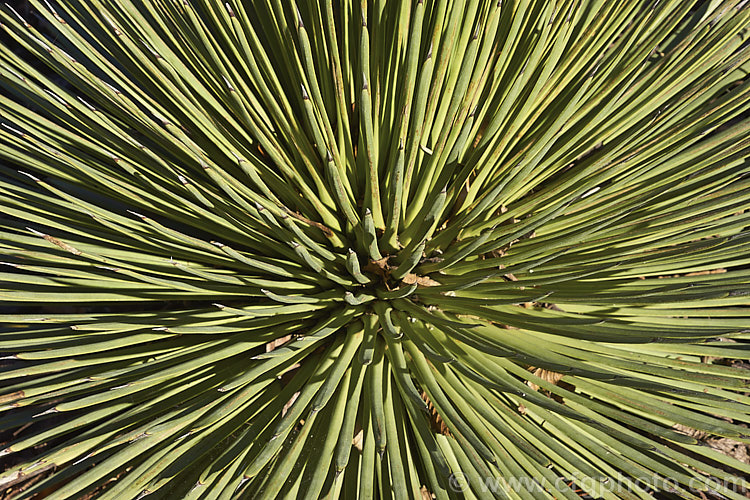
x,y
403,249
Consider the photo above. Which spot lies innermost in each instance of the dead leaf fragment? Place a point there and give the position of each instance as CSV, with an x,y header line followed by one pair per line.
x,y
436,422
62,244
358,439
412,278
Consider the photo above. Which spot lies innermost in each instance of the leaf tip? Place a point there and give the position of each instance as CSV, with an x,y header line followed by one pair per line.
x,y
47,412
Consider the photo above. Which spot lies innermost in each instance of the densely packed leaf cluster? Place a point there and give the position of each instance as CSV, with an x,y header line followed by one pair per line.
x,y
374,249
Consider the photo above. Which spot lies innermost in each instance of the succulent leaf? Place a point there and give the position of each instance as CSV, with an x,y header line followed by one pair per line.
x,y
400,249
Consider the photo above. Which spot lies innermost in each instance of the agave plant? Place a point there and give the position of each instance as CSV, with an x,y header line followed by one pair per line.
x,y
400,249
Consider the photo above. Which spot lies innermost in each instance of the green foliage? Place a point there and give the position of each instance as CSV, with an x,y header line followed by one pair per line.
x,y
354,249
